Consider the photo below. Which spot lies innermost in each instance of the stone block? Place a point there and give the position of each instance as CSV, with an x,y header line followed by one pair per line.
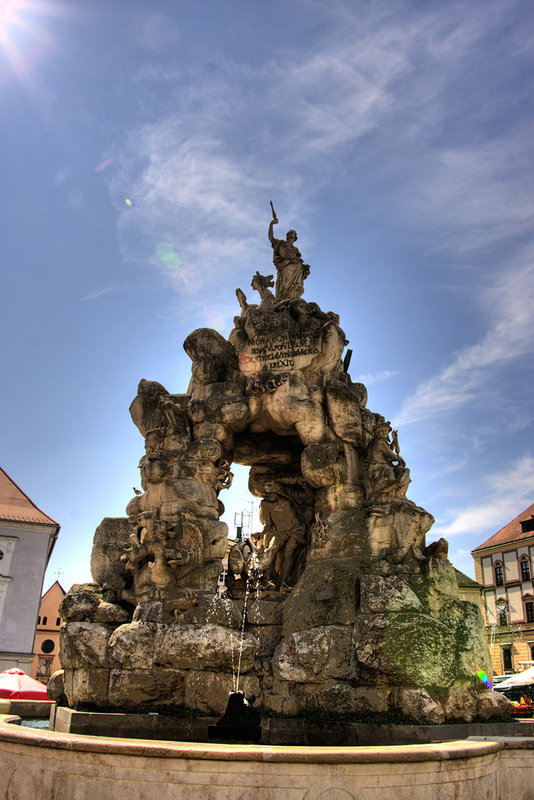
x,y
214,610
265,612
379,594
325,464
109,543
417,704
55,688
326,594
343,406
315,655
338,498
204,648
86,687
208,691
145,688
84,644
80,602
343,698
132,646
268,637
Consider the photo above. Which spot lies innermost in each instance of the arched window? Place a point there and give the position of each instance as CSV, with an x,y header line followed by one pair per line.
x,y
525,568
499,575
45,620
58,621
38,620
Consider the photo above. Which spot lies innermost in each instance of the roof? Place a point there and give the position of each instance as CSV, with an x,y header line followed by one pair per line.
x,y
511,532
464,581
17,506
56,583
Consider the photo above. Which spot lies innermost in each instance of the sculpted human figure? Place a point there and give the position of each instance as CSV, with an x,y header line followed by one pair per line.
x,y
291,270
387,473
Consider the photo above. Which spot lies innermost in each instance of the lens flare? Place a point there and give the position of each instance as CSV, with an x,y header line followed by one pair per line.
x,y
127,201
484,678
102,166
340,488
169,256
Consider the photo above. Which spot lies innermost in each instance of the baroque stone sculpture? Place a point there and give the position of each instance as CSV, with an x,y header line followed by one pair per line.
x,y
336,603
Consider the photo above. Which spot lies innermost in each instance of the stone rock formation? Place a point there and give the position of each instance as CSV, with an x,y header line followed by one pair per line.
x,y
337,603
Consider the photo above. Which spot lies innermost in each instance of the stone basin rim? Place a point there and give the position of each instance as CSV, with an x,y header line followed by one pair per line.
x,y
442,751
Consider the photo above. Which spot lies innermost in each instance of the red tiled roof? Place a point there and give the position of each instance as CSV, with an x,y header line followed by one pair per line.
x,y
17,506
511,532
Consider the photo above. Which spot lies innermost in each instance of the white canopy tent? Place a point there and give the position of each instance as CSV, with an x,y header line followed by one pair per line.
x,y
521,679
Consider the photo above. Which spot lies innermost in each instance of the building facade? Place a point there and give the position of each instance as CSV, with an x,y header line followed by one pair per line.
x,y
27,538
46,644
504,566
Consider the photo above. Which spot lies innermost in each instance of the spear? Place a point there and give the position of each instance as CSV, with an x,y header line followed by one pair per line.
x,y
272,209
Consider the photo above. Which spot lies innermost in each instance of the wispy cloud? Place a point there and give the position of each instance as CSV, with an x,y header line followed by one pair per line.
x,y
510,304
376,377
507,494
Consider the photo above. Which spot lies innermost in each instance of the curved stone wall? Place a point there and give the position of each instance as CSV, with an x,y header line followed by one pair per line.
x,y
46,764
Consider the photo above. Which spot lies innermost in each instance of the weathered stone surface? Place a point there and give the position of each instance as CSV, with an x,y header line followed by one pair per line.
x,y
341,497
381,594
342,698
265,612
146,688
111,614
490,704
80,602
214,610
461,705
110,539
343,406
396,524
86,687
269,637
315,654
417,704
55,688
326,464
132,646
208,691
204,647
84,644
326,594
339,534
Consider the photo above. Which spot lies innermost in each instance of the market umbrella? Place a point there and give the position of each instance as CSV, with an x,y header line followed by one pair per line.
x,y
16,685
521,679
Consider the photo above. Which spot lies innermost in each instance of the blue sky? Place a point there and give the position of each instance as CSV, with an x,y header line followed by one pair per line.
x,y
141,144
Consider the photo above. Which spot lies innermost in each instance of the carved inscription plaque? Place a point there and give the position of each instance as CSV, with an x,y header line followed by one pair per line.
x,y
281,352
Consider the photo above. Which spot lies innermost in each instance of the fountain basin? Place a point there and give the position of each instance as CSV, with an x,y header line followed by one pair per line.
x,y
66,766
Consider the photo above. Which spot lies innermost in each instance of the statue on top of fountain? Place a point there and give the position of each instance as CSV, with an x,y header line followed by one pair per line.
x,y
291,270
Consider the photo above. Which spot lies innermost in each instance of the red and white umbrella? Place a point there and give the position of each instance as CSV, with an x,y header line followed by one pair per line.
x,y
16,685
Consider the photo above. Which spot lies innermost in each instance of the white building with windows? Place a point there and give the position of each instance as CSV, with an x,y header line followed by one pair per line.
x,y
27,538
504,566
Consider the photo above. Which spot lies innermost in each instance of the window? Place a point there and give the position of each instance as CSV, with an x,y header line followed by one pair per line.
x,y
507,659
532,652
525,568
47,646
58,621
38,620
503,615
527,525
45,620
499,577
529,611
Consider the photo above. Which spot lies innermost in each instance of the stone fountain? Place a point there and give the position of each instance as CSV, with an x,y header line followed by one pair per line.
x,y
337,604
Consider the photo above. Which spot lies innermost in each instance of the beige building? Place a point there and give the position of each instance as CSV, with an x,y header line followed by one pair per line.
x,y
504,566
27,538
469,589
46,644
